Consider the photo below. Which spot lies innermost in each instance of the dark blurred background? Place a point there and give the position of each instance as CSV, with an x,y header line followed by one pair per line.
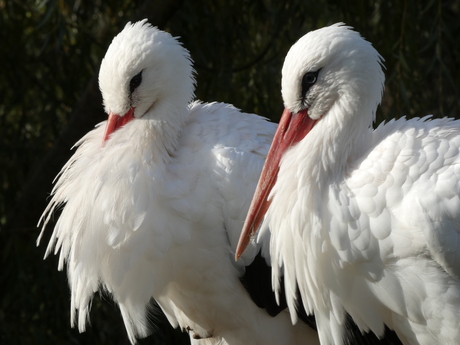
x,y
50,53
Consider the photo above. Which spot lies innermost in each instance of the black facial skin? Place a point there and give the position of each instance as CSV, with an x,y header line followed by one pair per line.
x,y
135,82
308,80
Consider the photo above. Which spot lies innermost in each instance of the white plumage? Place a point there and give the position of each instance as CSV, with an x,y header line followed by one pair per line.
x,y
153,206
364,221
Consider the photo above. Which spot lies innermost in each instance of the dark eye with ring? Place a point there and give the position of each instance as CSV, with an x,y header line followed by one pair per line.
x,y
308,80
135,82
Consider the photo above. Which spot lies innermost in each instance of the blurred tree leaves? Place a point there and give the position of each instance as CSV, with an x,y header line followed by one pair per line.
x,y
50,54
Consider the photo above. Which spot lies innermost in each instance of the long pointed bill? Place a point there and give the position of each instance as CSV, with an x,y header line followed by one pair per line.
x,y
116,121
291,129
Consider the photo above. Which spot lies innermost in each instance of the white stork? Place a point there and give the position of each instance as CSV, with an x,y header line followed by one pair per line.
x,y
153,205
362,221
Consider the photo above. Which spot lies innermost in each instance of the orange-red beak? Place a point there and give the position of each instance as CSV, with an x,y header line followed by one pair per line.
x,y
116,121
292,128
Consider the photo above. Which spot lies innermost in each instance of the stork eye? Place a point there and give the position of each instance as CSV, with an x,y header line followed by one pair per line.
x,y
308,80
135,82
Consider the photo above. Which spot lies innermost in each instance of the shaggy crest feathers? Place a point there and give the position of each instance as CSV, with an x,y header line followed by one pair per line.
x,y
165,66
325,50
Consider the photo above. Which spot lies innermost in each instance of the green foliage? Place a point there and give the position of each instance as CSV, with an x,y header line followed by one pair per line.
x,y
51,49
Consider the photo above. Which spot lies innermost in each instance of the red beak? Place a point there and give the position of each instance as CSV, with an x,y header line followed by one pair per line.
x,y
291,129
116,121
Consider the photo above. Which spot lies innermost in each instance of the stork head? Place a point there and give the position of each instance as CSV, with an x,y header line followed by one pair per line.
x,y
143,68
330,68
329,64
